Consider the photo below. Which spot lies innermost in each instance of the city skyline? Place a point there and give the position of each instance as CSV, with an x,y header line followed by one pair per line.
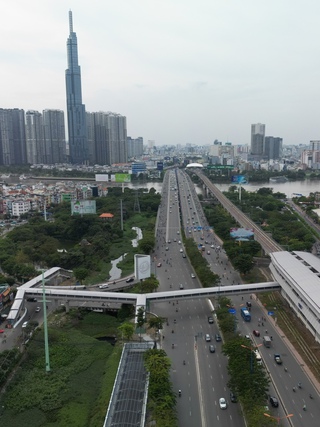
x,y
180,73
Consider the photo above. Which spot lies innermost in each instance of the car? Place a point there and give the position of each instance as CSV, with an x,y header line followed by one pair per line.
x,y
24,324
248,337
104,286
181,286
167,248
193,276
212,246
222,403
233,397
178,232
274,401
183,255
2,331
181,250
256,333
32,299
159,264
208,252
179,243
174,239
210,319
130,279
38,309
277,359
169,241
208,338
212,348
218,338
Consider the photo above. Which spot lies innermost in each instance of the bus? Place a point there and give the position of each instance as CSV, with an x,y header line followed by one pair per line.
x,y
245,314
258,357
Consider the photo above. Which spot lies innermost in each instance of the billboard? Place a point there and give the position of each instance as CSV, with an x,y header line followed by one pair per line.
x,y
142,266
102,177
239,179
160,166
242,233
120,177
220,167
83,207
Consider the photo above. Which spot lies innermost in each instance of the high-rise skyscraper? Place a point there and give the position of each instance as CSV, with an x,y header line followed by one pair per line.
x,y
54,137
107,138
257,139
78,146
273,147
12,137
34,137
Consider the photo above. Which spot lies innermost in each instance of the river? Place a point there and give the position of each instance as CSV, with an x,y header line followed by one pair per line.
x,y
289,188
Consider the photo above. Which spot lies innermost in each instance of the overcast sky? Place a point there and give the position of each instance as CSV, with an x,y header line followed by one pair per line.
x,y
181,71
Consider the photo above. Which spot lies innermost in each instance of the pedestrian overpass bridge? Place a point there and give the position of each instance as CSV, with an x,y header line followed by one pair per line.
x,y
98,299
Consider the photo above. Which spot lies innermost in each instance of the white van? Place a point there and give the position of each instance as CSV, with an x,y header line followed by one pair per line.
x,y
208,338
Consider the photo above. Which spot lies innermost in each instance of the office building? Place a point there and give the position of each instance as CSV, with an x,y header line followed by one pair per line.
x,y
54,137
107,138
34,137
78,147
314,145
273,147
134,147
12,137
257,139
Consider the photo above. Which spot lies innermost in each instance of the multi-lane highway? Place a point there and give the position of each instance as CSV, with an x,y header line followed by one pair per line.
x,y
203,379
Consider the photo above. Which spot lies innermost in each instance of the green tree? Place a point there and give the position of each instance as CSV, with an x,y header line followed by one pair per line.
x,y
81,274
243,263
126,330
156,323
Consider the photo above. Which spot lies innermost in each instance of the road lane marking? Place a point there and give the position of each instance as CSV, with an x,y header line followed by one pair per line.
x,y
201,402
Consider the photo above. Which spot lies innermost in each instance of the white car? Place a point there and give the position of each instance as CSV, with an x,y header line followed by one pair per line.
x,y
181,250
105,286
193,276
222,403
24,324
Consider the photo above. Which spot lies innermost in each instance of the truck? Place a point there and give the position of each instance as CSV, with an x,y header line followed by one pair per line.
x,y
267,341
277,359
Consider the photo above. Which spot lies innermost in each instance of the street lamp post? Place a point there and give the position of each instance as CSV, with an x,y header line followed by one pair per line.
x,y
251,354
278,419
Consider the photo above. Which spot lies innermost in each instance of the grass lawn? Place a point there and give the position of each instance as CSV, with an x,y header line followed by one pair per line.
x,y
76,391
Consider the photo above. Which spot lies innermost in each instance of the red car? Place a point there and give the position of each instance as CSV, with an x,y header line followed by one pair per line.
x,y
2,331
256,333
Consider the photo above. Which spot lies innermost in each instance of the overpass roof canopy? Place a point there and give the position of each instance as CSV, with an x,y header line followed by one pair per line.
x,y
303,269
194,165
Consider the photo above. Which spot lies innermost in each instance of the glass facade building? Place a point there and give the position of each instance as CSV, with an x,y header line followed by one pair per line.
x,y
78,146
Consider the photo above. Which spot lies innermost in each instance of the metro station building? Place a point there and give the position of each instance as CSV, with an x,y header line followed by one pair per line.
x,y
298,274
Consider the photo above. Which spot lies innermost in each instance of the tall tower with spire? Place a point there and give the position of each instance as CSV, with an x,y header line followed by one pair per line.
x,y
78,146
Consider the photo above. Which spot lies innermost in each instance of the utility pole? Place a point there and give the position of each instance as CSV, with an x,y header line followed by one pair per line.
x,y
45,325
121,214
